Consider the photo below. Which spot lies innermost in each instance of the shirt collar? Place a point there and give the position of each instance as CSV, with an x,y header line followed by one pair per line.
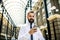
x,y
29,24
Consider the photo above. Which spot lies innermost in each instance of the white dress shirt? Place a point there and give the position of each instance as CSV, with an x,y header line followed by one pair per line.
x,y
24,35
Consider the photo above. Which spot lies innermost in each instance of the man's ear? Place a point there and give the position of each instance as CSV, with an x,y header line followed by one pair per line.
x,y
27,16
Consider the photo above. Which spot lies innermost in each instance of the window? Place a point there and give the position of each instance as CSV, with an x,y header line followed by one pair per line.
x,y
59,1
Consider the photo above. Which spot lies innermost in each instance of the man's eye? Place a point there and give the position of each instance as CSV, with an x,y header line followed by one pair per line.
x,y
29,16
33,16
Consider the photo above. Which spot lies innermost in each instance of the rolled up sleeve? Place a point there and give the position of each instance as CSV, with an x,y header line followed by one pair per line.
x,y
23,35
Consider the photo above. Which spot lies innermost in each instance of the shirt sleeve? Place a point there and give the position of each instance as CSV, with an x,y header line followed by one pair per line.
x,y
40,36
23,35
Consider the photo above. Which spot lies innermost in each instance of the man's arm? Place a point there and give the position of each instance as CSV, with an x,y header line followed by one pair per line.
x,y
23,34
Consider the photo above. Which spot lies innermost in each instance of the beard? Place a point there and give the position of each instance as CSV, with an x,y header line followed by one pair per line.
x,y
31,20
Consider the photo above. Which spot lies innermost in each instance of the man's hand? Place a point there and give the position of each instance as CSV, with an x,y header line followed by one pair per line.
x,y
33,30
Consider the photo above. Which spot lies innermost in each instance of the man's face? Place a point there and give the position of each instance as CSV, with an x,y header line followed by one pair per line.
x,y
30,17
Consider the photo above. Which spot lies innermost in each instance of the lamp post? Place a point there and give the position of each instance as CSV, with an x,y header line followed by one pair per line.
x,y
1,21
48,25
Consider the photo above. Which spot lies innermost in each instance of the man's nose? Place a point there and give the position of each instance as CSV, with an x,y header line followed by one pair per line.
x,y
31,18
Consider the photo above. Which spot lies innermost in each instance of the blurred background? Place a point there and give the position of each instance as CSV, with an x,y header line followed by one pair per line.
x,y
13,15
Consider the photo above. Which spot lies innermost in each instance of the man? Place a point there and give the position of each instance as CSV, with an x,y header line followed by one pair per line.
x,y
28,33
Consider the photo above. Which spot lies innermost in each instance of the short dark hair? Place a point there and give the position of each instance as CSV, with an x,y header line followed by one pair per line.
x,y
30,12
